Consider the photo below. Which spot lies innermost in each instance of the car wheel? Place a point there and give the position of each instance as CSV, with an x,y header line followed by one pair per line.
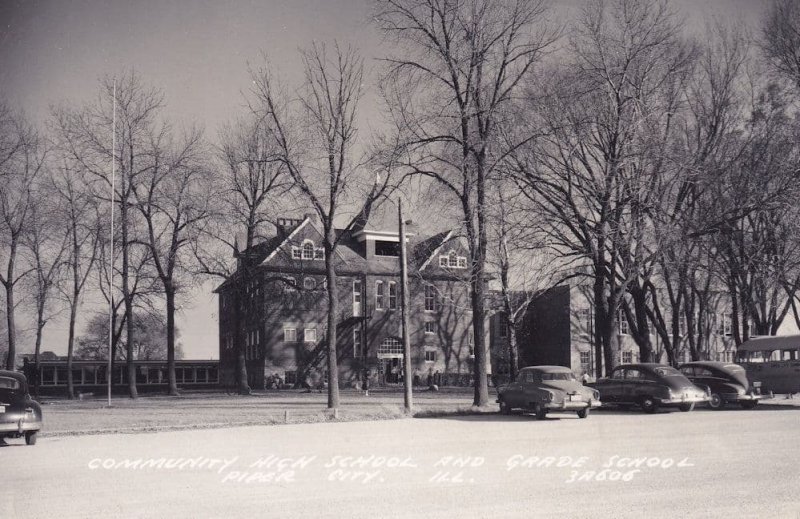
x,y
748,404
583,413
716,402
541,412
504,407
648,404
30,437
686,407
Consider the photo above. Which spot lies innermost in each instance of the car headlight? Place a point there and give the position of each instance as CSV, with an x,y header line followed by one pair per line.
x,y
596,395
548,396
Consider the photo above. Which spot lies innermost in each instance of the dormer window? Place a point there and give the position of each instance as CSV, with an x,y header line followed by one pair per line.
x,y
387,248
308,251
453,260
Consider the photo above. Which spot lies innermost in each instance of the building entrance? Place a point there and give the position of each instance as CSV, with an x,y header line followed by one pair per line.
x,y
390,361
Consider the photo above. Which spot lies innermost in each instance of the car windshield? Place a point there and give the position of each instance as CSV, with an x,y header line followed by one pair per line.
x,y
667,372
558,376
9,383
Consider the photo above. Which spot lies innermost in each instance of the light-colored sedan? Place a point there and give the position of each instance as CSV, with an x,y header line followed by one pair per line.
x,y
541,389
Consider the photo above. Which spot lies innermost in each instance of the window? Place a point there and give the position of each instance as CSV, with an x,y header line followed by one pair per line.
x,y
309,283
379,296
319,253
392,295
430,298
357,342
289,284
297,253
390,346
310,335
387,248
289,334
430,356
623,324
585,359
430,327
627,357
453,260
308,250
502,327
356,297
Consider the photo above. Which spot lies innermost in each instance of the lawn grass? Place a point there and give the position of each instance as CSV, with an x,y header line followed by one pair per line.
x,y
202,410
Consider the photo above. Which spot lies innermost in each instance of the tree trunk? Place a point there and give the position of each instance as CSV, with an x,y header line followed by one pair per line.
x,y
9,285
170,295
126,293
73,313
333,313
642,335
513,352
599,319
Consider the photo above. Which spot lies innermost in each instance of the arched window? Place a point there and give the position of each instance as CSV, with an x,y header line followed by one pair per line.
x,y
308,250
453,259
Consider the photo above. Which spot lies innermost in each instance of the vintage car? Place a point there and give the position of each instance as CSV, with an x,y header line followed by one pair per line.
x,y
649,386
19,414
727,383
541,389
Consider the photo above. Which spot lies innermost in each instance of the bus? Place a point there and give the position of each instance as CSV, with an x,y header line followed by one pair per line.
x,y
775,361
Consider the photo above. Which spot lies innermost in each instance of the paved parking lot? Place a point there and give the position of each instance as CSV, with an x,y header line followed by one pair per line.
x,y
613,464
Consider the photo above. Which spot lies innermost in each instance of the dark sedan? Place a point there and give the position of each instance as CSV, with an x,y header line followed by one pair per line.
x,y
19,414
727,383
649,386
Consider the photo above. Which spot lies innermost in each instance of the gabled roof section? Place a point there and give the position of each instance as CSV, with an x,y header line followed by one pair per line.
x,y
286,240
428,249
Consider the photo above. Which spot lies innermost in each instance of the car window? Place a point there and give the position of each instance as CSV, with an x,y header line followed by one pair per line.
x,y
703,372
618,374
634,374
688,371
558,376
667,371
9,383
529,376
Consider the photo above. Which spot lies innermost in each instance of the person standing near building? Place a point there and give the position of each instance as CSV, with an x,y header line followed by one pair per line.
x,y
365,384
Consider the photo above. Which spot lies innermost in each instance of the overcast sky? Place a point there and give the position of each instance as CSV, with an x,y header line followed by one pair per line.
x,y
197,51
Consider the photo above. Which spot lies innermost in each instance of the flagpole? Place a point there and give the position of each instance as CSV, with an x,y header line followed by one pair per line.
x,y
111,256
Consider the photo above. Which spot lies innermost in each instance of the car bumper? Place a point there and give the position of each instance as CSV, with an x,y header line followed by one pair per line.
x,y
682,400
744,398
19,425
571,405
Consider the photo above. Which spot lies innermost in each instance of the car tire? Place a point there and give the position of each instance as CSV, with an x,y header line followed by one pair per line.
x,y
716,402
541,412
30,437
749,404
686,407
505,408
583,413
648,404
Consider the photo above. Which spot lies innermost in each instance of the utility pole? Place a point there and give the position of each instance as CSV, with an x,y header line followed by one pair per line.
x,y
109,370
407,379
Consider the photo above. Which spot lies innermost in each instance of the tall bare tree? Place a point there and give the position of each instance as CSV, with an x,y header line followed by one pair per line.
x,y
250,186
23,157
317,142
81,215
47,242
449,88
87,136
173,199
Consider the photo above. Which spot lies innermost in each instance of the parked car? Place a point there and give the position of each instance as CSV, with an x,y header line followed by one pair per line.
x,y
649,386
727,383
19,414
541,389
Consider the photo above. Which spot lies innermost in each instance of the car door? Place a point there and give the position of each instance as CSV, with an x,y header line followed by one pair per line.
x,y
530,384
636,385
513,390
611,388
